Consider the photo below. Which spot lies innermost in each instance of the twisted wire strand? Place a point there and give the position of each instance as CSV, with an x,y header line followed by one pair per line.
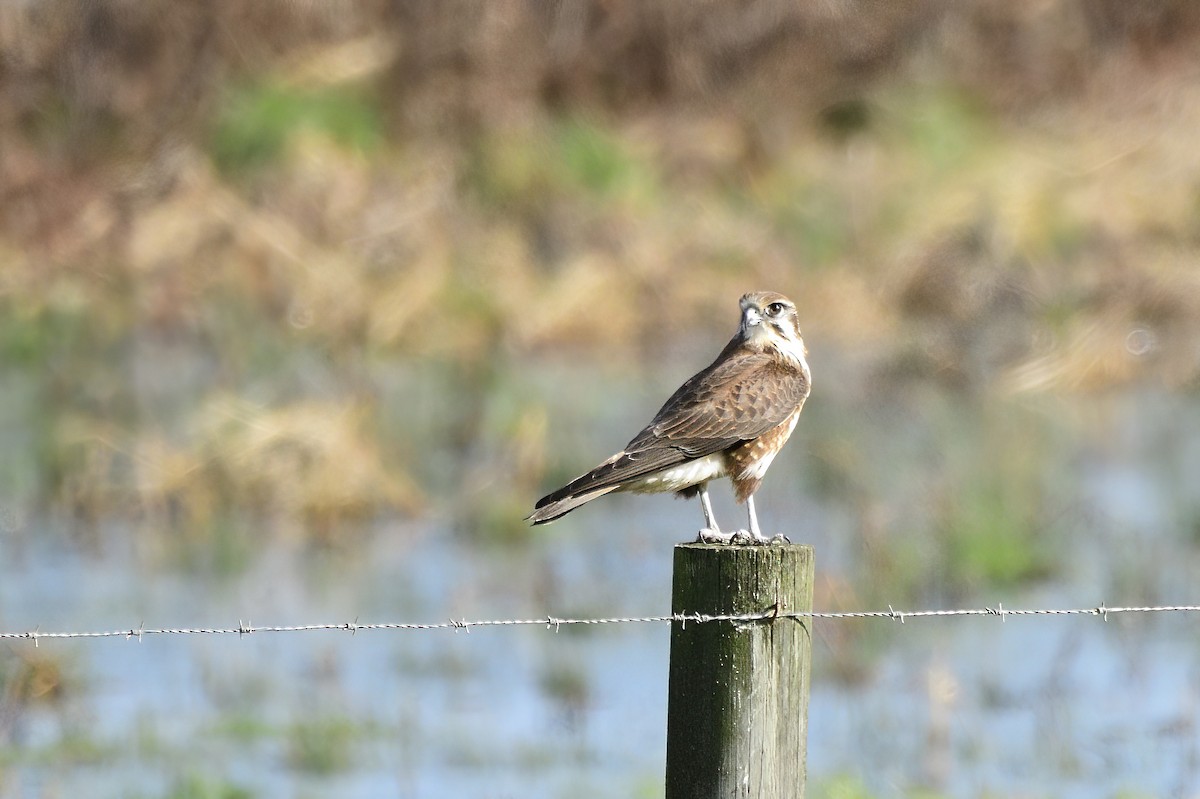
x,y
555,623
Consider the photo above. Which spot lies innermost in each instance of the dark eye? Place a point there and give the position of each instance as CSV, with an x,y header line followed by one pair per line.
x,y
775,309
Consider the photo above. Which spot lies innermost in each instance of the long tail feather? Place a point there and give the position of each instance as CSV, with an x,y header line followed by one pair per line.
x,y
560,507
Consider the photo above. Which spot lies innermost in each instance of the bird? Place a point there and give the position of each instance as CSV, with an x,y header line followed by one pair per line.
x,y
728,420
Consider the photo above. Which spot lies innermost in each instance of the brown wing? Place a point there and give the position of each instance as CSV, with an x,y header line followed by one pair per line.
x,y
738,398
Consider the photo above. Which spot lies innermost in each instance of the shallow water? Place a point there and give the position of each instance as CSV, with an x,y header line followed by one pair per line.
x,y
1047,706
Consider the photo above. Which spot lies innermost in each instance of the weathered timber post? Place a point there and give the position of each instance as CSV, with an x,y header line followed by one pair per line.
x,y
737,709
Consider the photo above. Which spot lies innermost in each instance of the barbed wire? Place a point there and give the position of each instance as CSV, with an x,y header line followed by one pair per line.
x,y
555,623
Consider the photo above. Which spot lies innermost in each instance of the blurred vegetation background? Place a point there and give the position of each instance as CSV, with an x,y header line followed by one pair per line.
x,y
298,272
288,259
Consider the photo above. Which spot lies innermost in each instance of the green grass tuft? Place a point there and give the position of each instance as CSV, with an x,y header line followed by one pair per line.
x,y
256,123
195,786
992,539
323,745
565,159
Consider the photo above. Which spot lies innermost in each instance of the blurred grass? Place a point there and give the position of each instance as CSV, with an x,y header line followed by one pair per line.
x,y
30,679
323,745
297,277
198,786
995,538
256,123
848,786
566,159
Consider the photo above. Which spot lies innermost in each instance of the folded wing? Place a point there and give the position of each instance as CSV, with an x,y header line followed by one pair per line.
x,y
735,399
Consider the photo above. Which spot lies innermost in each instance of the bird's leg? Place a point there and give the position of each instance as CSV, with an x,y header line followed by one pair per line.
x,y
753,517
754,534
711,534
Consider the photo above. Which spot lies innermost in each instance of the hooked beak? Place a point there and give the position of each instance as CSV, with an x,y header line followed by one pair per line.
x,y
751,317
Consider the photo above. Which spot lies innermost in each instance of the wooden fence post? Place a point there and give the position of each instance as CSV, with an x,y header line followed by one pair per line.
x,y
737,709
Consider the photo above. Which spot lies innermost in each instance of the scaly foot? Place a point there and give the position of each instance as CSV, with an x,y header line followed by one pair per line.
x,y
751,537
710,535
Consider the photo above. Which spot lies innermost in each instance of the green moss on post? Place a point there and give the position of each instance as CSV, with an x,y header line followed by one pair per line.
x,y
737,715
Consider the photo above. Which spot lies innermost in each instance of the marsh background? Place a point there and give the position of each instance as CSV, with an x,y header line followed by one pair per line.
x,y
303,304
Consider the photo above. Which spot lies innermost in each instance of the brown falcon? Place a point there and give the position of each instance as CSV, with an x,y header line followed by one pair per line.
x,y
729,420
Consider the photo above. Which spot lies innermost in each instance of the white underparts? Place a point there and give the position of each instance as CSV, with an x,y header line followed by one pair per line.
x,y
685,475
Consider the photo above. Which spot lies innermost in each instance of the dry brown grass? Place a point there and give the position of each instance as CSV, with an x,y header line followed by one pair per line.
x,y
989,194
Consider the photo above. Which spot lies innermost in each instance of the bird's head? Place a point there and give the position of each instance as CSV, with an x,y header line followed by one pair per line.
x,y
769,322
